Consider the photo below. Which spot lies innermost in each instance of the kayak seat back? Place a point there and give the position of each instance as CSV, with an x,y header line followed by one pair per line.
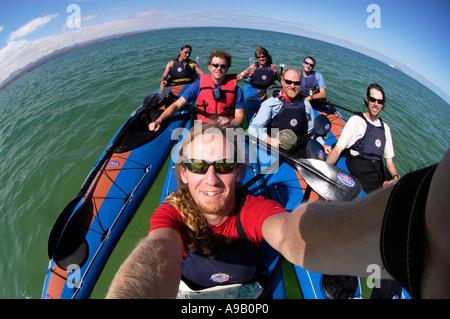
x,y
135,132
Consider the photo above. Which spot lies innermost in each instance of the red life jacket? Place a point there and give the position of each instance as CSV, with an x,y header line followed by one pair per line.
x,y
223,104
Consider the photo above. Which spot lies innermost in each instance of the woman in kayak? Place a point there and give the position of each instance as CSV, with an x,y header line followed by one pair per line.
x,y
181,69
263,72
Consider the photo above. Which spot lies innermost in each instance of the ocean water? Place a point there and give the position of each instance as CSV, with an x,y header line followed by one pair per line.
x,y
57,119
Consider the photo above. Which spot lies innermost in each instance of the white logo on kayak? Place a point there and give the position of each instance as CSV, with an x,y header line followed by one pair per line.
x,y
220,278
113,163
346,180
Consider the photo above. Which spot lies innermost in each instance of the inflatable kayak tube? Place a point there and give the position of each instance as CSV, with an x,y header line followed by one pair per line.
x,y
88,229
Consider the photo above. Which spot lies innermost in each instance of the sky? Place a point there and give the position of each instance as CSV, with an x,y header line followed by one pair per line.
x,y
412,34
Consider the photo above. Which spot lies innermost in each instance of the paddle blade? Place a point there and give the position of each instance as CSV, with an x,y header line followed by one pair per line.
x,y
315,150
329,181
322,125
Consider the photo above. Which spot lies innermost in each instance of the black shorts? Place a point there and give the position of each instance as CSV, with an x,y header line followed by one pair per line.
x,y
403,237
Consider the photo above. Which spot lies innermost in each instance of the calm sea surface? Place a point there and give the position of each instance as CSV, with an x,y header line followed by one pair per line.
x,y
57,119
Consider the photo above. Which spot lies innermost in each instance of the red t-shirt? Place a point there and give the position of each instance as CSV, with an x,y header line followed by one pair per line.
x,y
253,214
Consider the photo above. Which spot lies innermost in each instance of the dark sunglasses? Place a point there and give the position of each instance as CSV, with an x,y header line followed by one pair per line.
x,y
222,66
201,166
373,100
289,82
310,64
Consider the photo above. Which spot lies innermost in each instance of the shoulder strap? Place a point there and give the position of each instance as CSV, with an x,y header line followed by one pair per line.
x,y
191,64
239,227
361,115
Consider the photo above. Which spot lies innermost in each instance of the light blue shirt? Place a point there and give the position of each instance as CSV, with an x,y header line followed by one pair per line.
x,y
267,111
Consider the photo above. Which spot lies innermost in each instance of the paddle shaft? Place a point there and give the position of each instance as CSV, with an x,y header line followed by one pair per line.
x,y
292,160
323,101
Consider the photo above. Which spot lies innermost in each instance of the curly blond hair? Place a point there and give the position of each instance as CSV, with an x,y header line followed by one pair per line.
x,y
200,234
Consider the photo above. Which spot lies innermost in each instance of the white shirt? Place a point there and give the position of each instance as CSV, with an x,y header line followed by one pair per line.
x,y
355,129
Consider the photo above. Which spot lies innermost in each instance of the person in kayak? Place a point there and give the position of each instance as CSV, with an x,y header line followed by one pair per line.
x,y
262,73
323,237
287,110
369,140
216,94
313,84
203,232
181,69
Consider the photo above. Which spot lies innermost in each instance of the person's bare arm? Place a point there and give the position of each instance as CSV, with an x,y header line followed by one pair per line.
x,y
436,273
334,155
153,269
331,237
344,238
171,110
165,75
238,117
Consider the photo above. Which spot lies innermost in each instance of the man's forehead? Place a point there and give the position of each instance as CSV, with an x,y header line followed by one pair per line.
x,y
219,60
292,75
374,92
209,146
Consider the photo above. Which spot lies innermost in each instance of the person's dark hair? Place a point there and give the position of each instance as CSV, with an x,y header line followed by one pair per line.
x,y
310,57
263,51
378,88
220,54
184,47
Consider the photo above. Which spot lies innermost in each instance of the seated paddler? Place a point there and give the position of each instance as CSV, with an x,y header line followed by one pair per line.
x,y
203,228
216,95
263,73
204,235
182,69
287,110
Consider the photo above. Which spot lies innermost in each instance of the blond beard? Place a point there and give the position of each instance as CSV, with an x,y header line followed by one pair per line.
x,y
292,93
214,209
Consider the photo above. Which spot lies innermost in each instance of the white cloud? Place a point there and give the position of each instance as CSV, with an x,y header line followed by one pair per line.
x,y
147,13
20,53
83,19
1,27
31,26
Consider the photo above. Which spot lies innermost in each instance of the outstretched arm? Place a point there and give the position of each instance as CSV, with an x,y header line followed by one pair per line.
x,y
436,275
153,270
331,237
171,110
344,237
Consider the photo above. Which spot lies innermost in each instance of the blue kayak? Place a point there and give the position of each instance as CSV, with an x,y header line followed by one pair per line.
x,y
89,228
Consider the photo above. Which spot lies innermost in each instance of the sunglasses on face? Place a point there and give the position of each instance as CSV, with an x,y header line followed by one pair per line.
x,y
201,166
289,82
222,66
262,57
373,100
310,64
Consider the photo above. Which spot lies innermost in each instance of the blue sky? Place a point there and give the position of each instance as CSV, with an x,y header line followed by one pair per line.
x,y
411,32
